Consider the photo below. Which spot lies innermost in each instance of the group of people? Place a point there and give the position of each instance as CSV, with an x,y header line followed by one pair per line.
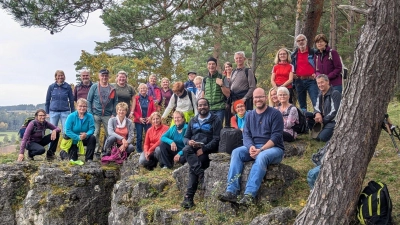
x,y
199,108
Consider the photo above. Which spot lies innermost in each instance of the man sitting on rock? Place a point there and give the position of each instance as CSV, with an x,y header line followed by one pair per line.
x,y
201,139
263,143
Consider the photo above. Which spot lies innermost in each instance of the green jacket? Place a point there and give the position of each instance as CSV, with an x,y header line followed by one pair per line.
x,y
213,92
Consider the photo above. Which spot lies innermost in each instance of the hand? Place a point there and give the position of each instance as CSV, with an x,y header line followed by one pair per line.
x,y
191,143
219,81
122,148
254,153
20,158
53,135
314,75
318,118
143,120
177,157
83,136
130,115
147,156
199,152
173,147
147,120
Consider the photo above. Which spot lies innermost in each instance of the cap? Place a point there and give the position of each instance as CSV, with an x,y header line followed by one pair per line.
x,y
104,71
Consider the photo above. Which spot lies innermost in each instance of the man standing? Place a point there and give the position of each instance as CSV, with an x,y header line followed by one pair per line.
x,y
215,89
243,82
304,67
263,143
326,108
201,139
82,89
102,101
189,85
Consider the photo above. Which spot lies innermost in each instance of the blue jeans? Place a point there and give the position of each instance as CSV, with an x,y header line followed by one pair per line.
x,y
312,176
220,114
302,86
240,155
55,117
139,135
338,88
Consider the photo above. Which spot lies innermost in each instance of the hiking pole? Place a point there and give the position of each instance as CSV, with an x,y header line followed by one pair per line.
x,y
391,136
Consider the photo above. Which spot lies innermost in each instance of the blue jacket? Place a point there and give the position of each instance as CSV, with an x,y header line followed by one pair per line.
x,y
59,98
171,136
94,104
311,56
73,126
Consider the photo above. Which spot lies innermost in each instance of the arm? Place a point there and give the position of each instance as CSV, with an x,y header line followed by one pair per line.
x,y
91,125
132,106
115,102
53,127
170,106
276,129
131,128
69,124
71,99
335,103
194,103
188,134
90,98
167,136
337,65
234,123
146,145
292,118
225,87
252,84
273,79
213,144
111,128
247,136
288,81
75,93
48,98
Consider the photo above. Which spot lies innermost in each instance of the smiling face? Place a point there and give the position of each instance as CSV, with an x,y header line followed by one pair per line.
x,y
178,119
156,120
203,108
143,90
82,107
321,45
41,116
240,109
323,84
121,79
228,69
60,77
239,60
212,67
152,80
198,84
191,76
283,97
165,83
85,77
103,78
259,98
121,112
301,42
274,96
283,56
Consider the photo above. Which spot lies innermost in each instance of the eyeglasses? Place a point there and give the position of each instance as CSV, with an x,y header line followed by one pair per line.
x,y
82,106
259,97
41,115
300,40
240,106
282,95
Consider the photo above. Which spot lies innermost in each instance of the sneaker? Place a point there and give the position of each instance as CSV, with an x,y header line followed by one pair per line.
x,y
246,200
187,202
228,197
77,162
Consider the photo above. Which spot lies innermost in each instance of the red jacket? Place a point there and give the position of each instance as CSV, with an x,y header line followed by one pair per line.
x,y
137,113
153,138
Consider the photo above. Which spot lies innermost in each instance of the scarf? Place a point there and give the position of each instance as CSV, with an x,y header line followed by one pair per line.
x,y
179,127
241,120
119,124
151,90
183,94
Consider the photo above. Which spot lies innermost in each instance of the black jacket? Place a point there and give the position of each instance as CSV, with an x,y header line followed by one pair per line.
x,y
328,105
208,133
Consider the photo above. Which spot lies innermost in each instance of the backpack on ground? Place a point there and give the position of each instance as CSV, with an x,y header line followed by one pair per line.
x,y
230,138
301,127
374,205
21,131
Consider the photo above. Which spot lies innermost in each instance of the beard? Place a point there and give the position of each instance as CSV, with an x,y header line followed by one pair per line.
x,y
258,106
203,112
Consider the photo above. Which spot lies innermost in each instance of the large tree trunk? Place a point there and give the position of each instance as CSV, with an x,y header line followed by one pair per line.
x,y
311,19
359,119
332,27
299,22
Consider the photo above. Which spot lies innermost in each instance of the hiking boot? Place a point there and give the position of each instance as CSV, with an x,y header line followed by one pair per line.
x,y
187,202
246,200
228,197
50,157
77,162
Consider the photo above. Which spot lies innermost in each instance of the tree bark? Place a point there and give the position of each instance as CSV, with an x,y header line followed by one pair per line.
x,y
311,19
352,146
256,39
299,22
332,27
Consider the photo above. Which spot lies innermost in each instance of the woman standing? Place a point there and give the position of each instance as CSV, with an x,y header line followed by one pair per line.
x,y
327,61
172,143
125,92
79,130
273,98
59,99
34,139
228,71
149,157
182,100
120,131
143,107
166,92
282,72
289,113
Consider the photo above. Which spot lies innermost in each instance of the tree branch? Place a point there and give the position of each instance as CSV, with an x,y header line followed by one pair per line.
x,y
354,8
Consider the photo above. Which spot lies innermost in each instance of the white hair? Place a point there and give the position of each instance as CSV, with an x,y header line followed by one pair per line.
x,y
240,53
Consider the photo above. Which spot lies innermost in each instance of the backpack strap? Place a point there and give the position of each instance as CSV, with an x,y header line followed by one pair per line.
x,y
191,100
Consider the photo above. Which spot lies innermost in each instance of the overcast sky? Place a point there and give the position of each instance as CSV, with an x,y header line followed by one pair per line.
x,y
30,56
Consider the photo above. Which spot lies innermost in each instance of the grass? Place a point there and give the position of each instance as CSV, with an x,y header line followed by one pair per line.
x,y
9,134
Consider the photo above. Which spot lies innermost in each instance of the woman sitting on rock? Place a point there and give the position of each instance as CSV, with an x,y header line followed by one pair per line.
x,y
172,142
289,113
120,131
79,129
238,120
150,155
34,139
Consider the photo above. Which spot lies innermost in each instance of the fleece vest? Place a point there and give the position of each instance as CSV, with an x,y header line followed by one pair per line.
x,y
213,92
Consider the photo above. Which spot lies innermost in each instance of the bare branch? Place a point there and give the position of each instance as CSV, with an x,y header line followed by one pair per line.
x,y
354,8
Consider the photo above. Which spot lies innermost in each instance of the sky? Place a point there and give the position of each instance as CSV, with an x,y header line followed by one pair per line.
x,y
29,57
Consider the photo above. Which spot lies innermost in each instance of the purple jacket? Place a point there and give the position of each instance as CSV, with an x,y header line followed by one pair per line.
x,y
330,66
36,136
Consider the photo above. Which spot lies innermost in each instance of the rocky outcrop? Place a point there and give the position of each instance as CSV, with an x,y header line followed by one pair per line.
x,y
277,216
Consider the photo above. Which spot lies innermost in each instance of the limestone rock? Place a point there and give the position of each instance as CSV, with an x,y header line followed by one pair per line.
x,y
277,216
296,148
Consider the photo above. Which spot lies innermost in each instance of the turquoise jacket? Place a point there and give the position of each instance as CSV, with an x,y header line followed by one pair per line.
x,y
172,136
74,126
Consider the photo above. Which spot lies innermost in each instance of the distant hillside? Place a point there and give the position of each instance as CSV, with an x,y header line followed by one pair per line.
x,y
22,107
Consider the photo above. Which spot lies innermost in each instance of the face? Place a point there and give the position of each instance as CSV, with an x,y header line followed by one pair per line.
x,y
82,107
156,120
41,116
191,76
103,77
228,68
85,77
60,77
301,42
178,119
259,99
212,67
121,112
283,97
283,56
240,109
202,107
321,44
121,79
239,59
152,80
165,84
198,84
323,85
143,90
274,96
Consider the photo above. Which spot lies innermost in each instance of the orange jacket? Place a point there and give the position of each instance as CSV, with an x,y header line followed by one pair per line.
x,y
153,138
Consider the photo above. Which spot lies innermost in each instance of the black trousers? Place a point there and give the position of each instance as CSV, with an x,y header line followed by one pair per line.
x,y
37,148
166,157
90,144
197,165
287,137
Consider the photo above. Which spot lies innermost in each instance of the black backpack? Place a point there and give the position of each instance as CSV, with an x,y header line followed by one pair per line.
x,y
301,127
374,205
21,131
